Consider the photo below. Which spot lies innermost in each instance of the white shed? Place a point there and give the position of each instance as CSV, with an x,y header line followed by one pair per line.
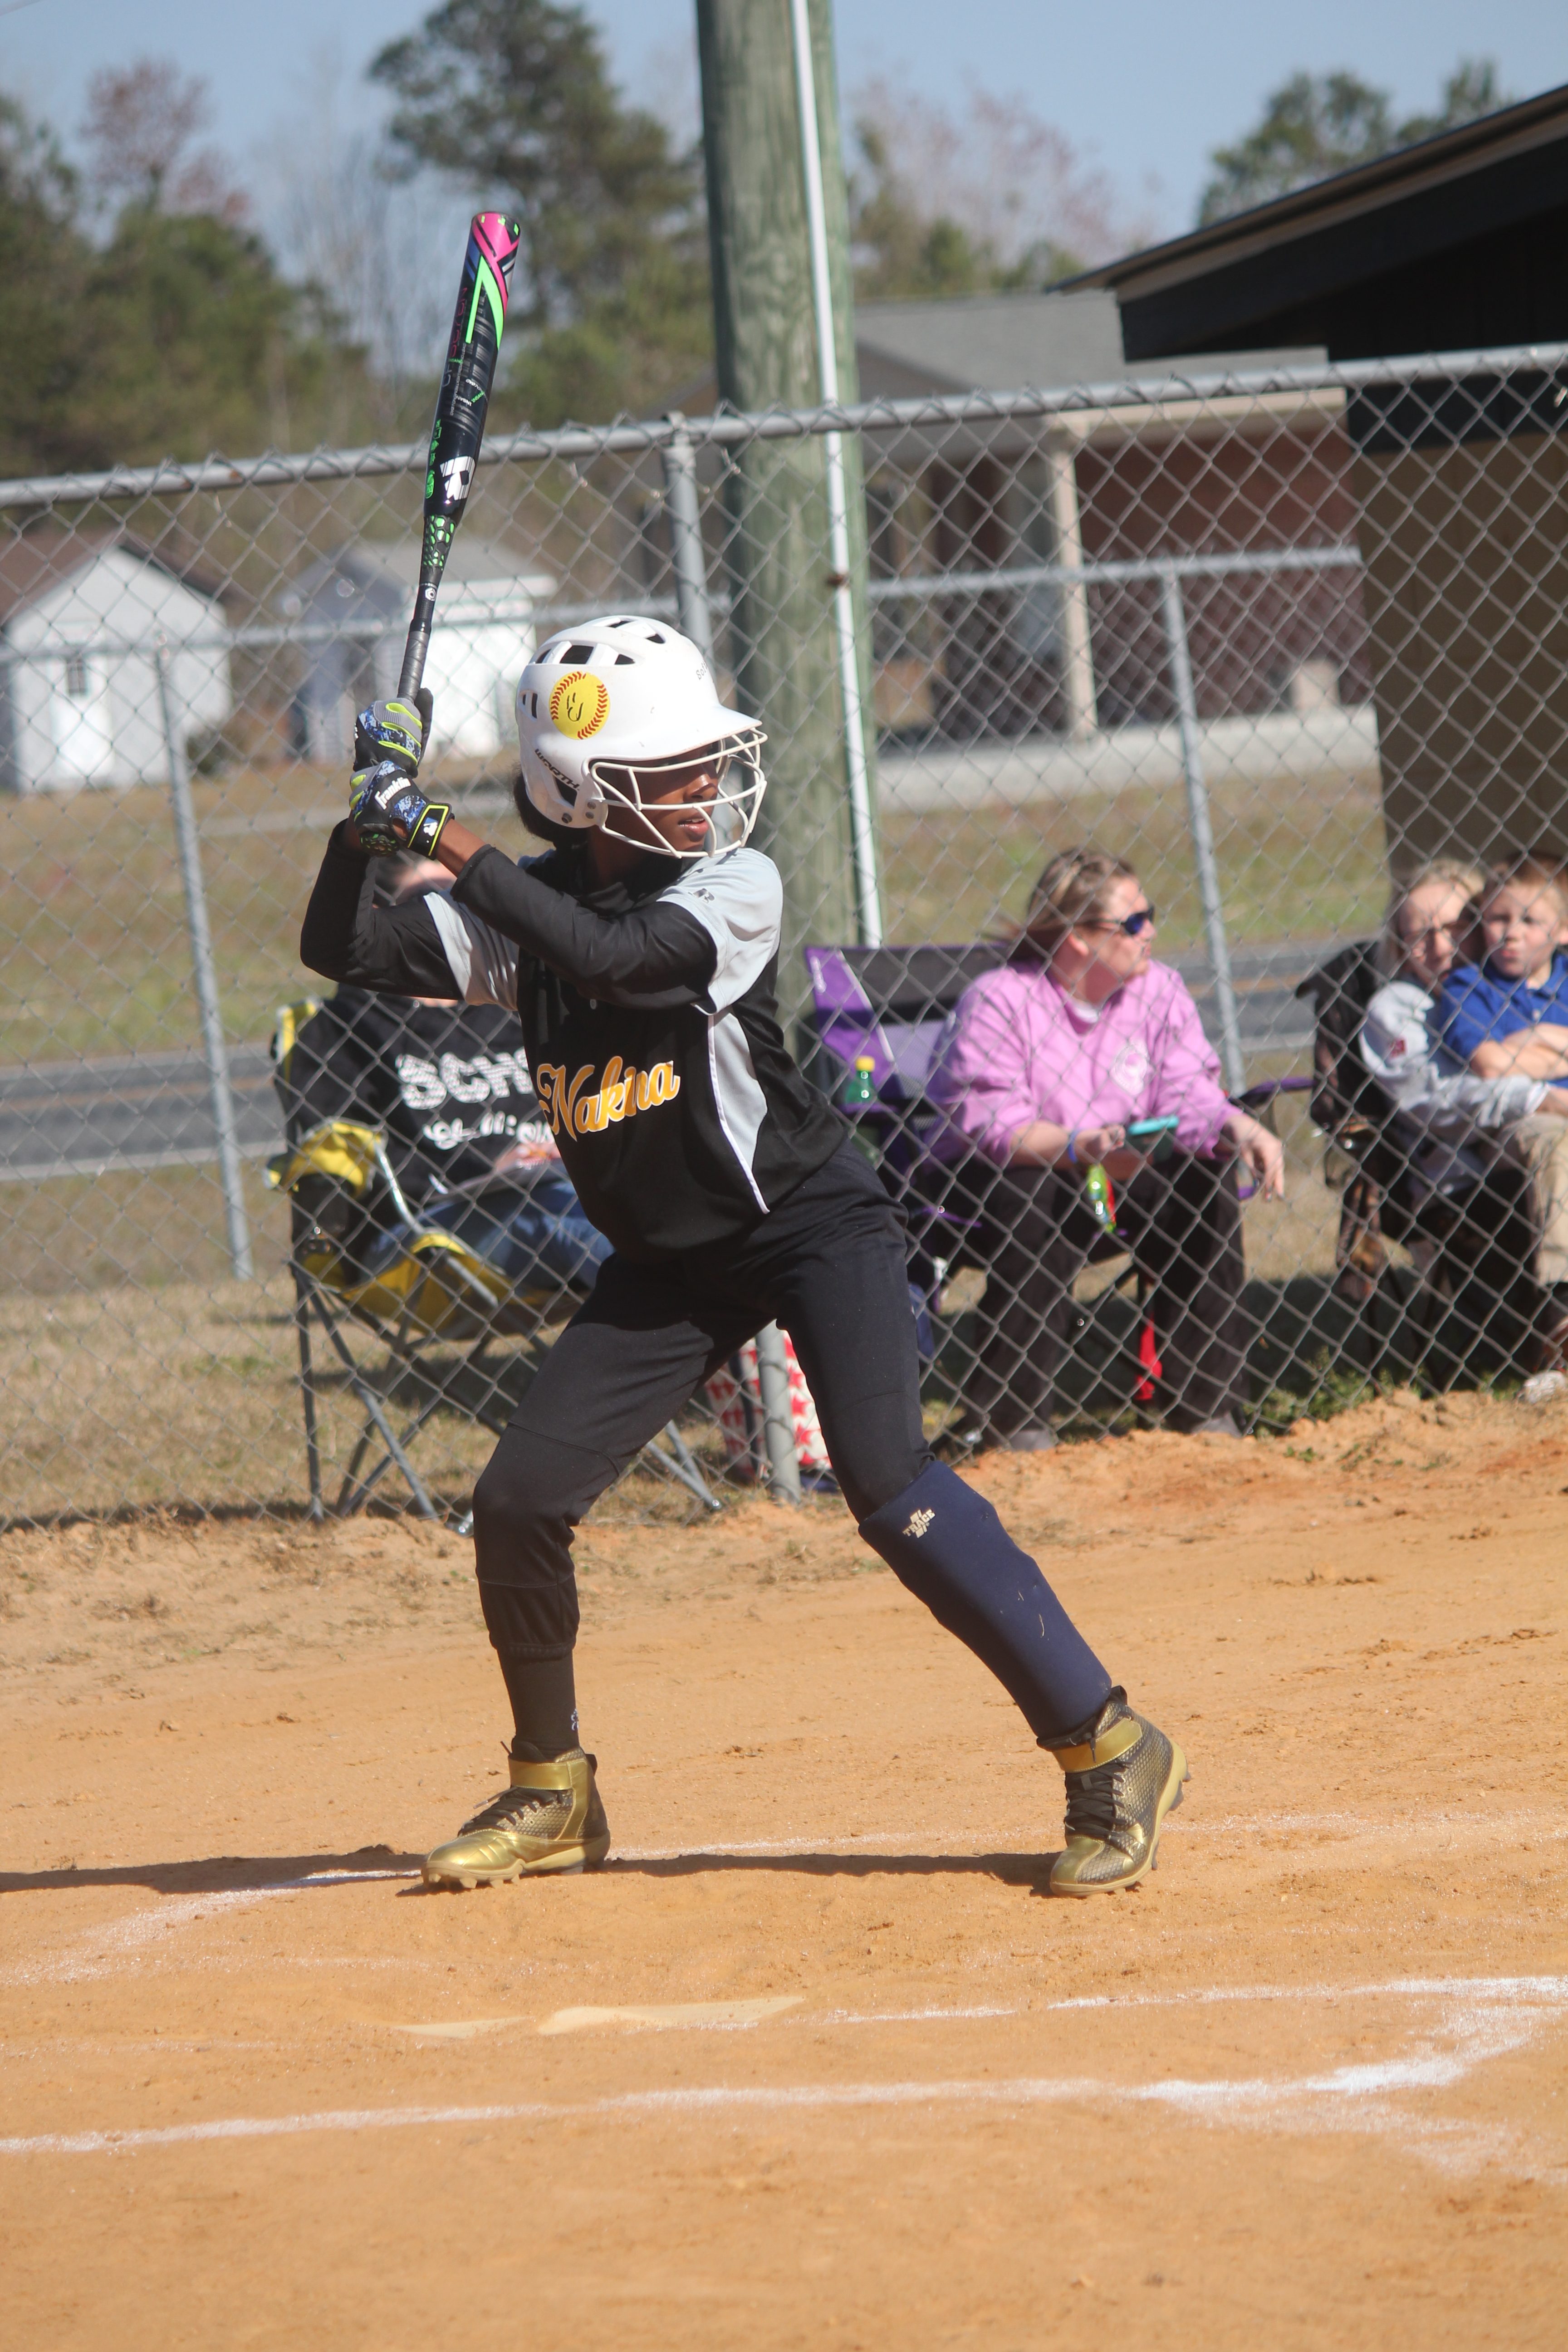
x,y
81,616
351,611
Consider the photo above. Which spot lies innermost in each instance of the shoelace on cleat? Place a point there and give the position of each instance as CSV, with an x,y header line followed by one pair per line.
x,y
510,1809
1092,1798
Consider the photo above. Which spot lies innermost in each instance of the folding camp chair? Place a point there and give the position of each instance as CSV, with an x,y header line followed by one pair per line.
x,y
887,1006
1468,1294
361,1255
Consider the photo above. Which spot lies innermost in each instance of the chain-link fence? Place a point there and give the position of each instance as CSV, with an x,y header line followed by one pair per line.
x,y
1276,641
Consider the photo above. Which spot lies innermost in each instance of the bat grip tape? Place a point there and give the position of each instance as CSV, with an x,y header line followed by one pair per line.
x,y
411,675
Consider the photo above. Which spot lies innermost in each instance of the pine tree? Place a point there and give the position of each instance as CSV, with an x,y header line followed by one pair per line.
x,y
512,100
44,260
1316,124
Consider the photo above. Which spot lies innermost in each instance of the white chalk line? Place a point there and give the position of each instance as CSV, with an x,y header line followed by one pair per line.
x,y
105,1951
1186,1824
1549,1988
687,2017
904,2016
1488,2018
102,1950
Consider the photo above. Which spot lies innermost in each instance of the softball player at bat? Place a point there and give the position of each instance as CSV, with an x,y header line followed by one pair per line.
x,y
640,955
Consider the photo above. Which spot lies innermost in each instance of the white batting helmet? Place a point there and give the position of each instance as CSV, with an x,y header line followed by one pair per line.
x,y
608,708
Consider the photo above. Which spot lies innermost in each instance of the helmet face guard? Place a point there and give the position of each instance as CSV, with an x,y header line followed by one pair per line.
x,y
612,714
625,793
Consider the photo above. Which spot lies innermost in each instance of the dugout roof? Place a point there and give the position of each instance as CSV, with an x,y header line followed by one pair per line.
x,y
1455,243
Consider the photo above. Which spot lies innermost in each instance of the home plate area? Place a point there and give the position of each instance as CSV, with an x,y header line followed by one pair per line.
x,y
814,2060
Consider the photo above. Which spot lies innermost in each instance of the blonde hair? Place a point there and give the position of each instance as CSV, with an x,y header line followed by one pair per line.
x,y
1538,869
1455,873
1073,888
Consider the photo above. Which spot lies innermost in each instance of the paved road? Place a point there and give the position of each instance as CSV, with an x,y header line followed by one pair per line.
x,y
137,1110
152,1110
1272,1020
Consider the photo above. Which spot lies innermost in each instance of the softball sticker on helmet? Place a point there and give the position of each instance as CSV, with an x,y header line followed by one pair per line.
x,y
611,712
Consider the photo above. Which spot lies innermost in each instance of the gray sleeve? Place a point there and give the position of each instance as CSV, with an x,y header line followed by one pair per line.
x,y
484,965
1447,1103
738,898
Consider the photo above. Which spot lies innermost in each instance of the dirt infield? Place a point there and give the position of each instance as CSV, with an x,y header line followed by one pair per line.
x,y
812,2062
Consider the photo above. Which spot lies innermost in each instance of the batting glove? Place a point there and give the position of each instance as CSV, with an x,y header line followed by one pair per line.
x,y
389,812
394,731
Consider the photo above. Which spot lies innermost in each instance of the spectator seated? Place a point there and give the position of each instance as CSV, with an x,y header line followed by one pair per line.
x,y
1417,1155
1039,1073
1501,1027
414,1125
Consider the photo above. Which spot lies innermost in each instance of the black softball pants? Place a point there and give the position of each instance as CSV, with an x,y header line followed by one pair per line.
x,y
1182,1222
827,1264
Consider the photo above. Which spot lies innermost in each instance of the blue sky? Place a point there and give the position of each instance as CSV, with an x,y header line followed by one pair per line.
x,y
1144,88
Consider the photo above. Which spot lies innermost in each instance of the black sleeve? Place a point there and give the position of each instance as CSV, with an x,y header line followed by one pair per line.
x,y
346,936
653,956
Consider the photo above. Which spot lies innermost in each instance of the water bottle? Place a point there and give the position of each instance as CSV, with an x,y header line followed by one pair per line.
x,y
860,1086
1101,1199
860,1094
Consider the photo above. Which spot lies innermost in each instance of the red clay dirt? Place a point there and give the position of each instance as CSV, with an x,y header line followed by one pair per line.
x,y
845,2077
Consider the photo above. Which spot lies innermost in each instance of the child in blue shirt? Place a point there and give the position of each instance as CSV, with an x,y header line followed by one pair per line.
x,y
1511,1015
1508,1017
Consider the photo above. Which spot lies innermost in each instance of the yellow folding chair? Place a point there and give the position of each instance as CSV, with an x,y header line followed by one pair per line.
x,y
361,1255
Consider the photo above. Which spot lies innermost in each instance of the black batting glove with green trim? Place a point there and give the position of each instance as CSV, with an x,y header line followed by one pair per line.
x,y
395,730
387,809
389,812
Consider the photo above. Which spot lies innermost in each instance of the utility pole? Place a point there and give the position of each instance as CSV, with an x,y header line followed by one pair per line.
x,y
799,625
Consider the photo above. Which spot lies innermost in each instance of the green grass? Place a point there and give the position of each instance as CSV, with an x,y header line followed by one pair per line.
x,y
96,958
187,1396
129,1227
1293,863
134,1372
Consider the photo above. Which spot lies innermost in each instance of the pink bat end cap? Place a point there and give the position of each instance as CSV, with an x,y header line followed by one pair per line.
x,y
497,238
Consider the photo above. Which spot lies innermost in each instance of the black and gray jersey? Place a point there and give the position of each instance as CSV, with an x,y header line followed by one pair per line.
x,y
648,1018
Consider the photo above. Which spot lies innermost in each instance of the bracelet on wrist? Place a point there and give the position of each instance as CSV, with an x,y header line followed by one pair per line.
x,y
1072,1153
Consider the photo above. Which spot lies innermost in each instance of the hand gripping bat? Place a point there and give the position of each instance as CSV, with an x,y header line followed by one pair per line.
x,y
461,413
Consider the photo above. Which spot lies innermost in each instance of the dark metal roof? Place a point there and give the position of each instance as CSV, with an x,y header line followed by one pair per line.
x,y
1454,241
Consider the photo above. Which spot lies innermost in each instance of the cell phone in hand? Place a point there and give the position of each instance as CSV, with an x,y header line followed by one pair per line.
x,y
1154,1136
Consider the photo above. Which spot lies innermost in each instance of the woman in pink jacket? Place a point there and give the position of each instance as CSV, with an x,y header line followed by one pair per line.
x,y
1042,1068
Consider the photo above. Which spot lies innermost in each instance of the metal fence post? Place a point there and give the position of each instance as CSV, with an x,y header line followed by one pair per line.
x,y
215,1051
778,1419
1230,1053
687,559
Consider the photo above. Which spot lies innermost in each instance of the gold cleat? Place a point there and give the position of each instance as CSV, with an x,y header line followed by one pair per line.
x,y
549,1818
1120,1783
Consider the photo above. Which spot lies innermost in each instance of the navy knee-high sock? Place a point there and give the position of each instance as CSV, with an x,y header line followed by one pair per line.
x,y
946,1543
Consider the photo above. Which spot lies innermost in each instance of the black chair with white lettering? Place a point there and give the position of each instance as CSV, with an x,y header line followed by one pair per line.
x,y
390,1195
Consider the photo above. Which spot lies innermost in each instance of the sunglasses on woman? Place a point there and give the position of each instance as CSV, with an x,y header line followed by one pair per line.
x,y
1142,919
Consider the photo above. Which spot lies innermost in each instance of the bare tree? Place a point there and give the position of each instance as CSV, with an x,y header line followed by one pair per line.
x,y
140,123
380,253
951,199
